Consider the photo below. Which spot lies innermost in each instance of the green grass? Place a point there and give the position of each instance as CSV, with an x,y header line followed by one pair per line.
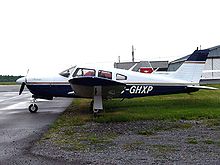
x,y
212,122
167,127
204,104
192,140
197,106
7,83
70,129
146,132
132,146
208,141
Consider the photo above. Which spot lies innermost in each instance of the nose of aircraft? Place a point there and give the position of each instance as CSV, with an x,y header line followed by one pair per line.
x,y
20,80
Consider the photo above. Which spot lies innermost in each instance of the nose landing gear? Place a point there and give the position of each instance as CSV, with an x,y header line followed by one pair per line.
x,y
33,106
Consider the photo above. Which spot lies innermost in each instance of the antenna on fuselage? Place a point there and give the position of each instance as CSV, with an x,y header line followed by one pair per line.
x,y
26,75
132,53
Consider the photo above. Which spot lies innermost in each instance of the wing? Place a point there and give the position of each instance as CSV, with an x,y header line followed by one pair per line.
x,y
94,81
84,87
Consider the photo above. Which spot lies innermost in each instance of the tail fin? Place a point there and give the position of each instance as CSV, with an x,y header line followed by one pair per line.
x,y
191,69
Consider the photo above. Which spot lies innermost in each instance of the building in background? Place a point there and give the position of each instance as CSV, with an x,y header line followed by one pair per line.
x,y
211,73
135,66
138,66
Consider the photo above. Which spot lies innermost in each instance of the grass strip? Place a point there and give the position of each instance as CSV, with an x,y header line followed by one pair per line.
x,y
72,130
7,83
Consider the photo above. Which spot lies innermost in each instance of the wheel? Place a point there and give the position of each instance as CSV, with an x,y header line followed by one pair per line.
x,y
33,108
95,112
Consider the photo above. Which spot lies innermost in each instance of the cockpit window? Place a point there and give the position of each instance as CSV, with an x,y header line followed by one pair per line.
x,y
105,74
84,72
66,73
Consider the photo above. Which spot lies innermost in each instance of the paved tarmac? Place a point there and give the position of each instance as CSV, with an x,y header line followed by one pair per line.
x,y
19,128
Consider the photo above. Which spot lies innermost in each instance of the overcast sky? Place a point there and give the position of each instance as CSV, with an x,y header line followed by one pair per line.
x,y
47,35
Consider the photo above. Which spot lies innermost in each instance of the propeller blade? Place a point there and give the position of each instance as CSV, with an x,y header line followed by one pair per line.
x,y
22,88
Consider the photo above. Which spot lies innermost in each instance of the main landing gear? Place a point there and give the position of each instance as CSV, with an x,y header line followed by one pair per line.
x,y
93,110
96,105
33,106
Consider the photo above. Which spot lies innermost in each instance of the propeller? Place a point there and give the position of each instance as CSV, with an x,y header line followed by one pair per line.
x,y
22,81
22,88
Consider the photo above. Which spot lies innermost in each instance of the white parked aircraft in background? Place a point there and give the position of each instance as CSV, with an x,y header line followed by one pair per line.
x,y
106,83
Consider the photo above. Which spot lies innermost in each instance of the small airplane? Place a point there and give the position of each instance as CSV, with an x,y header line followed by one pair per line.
x,y
105,83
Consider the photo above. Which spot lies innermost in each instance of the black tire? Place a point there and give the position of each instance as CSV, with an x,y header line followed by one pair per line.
x,y
95,112
33,108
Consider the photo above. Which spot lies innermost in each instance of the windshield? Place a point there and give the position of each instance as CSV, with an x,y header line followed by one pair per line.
x,y
66,73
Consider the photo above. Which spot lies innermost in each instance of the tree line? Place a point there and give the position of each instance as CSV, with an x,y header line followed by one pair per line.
x,y
8,78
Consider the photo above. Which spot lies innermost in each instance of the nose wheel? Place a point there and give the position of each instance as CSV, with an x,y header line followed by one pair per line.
x,y
33,108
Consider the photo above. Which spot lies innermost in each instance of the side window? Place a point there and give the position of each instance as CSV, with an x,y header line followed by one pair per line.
x,y
84,72
79,72
88,72
105,74
121,77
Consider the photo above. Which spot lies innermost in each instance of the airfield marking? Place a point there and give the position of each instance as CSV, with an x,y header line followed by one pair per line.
x,y
13,98
15,106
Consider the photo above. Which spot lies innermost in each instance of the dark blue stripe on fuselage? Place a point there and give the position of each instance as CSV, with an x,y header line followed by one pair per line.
x,y
152,90
130,92
50,90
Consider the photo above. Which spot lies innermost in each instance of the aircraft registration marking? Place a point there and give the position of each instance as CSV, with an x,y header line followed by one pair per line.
x,y
140,89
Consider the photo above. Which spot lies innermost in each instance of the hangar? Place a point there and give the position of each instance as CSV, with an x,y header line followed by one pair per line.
x,y
160,65
212,63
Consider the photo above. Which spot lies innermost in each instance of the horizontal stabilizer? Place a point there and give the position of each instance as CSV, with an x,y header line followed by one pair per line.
x,y
202,87
211,71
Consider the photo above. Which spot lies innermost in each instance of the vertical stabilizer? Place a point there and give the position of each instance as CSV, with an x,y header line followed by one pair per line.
x,y
191,69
